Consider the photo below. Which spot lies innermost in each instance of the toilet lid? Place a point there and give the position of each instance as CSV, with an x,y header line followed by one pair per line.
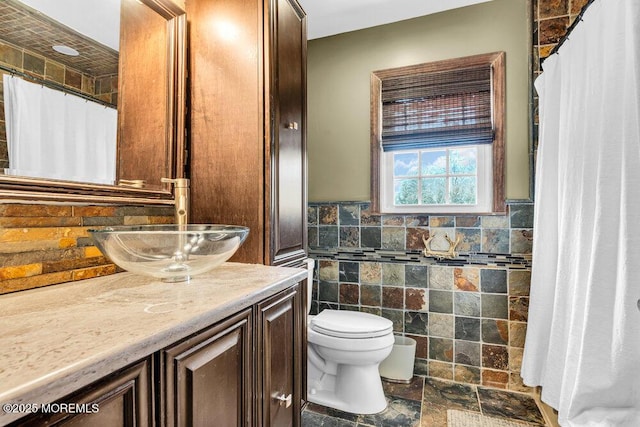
x,y
350,324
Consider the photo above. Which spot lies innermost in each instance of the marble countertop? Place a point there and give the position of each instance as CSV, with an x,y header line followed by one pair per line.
x,y
57,339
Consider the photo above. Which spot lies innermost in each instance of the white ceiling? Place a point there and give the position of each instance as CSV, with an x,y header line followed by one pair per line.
x,y
330,17
99,19
96,19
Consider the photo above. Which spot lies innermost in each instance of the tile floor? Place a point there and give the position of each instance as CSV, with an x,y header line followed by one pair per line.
x,y
424,403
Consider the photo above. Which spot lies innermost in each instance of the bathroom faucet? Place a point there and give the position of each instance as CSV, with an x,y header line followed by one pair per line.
x,y
181,197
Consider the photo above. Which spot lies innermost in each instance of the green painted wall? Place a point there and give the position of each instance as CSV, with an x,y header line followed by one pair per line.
x,y
339,68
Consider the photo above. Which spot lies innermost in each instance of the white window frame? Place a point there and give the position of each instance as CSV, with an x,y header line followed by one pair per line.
x,y
484,195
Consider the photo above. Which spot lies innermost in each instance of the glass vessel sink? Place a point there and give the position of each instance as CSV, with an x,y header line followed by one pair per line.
x,y
173,253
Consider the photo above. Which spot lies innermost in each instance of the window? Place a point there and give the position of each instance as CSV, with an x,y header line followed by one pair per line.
x,y
437,179
437,137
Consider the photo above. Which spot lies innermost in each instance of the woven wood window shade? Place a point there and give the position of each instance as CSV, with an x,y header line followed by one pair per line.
x,y
437,109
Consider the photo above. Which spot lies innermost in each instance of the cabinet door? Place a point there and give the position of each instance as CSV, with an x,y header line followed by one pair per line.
x,y
122,399
288,133
226,118
208,378
280,368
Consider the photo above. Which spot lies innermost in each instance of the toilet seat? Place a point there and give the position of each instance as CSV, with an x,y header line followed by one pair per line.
x,y
350,324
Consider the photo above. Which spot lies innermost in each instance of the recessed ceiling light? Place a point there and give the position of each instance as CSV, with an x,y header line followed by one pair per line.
x,y
66,50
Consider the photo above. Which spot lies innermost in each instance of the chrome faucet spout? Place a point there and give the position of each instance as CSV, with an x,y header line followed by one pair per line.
x,y
181,198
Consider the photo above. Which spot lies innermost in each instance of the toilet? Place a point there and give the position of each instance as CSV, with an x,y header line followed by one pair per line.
x,y
344,351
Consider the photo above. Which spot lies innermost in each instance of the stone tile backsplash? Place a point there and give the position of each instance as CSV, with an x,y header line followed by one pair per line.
x,y
42,245
468,315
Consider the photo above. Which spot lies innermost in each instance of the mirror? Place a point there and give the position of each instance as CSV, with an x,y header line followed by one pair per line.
x,y
142,88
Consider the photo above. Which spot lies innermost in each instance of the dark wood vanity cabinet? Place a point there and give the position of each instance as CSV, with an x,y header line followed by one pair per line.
x,y
246,370
122,399
247,123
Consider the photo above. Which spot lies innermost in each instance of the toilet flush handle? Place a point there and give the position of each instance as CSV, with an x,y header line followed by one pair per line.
x,y
284,400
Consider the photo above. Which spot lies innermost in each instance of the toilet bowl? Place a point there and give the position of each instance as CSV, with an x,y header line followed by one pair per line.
x,y
344,351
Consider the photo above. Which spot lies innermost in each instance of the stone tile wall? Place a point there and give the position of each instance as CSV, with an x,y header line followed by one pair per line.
x,y
467,315
43,245
551,19
104,88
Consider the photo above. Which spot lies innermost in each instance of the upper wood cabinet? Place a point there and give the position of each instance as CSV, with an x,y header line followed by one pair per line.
x,y
248,123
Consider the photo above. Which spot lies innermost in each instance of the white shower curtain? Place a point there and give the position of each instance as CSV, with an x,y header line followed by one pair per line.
x,y
51,134
583,334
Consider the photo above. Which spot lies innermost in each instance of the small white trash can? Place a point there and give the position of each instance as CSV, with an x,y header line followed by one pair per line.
x,y
398,366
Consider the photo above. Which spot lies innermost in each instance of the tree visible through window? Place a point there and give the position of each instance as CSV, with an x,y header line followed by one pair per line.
x,y
437,136
436,177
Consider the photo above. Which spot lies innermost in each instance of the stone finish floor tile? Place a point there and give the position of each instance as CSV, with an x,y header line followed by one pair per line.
x,y
425,401
399,413
442,395
313,419
450,395
411,391
515,406
330,412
